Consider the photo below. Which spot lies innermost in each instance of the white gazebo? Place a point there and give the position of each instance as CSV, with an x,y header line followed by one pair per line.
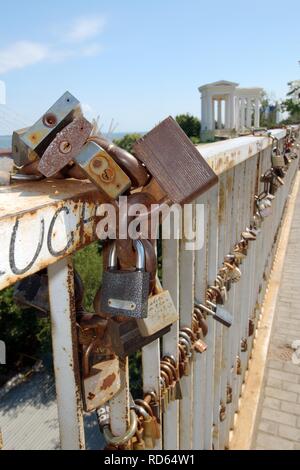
x,y
226,107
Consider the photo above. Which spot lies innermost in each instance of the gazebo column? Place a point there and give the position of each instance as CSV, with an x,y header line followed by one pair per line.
x,y
231,112
237,113
243,112
256,113
249,112
210,113
204,117
227,112
219,113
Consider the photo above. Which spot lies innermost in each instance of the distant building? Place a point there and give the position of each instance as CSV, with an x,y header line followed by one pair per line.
x,y
226,107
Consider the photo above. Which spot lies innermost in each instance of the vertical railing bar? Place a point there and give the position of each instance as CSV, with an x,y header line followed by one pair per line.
x,y
238,307
236,297
186,300
212,251
65,354
200,359
233,229
228,243
223,242
151,372
170,280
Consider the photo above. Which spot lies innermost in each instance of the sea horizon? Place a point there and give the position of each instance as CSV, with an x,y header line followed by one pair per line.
x,y
5,140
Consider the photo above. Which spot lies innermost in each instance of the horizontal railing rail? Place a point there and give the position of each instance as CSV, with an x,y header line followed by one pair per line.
x,y
43,223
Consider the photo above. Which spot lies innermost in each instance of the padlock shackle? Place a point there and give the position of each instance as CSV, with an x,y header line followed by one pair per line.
x,y
124,438
86,357
140,252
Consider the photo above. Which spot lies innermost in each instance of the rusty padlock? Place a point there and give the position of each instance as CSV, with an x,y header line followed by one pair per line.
x,y
29,144
101,379
173,160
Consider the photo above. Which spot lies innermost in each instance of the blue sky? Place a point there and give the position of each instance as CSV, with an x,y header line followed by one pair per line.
x,y
139,61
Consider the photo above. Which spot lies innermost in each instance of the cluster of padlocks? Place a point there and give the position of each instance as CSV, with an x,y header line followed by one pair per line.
x,y
131,307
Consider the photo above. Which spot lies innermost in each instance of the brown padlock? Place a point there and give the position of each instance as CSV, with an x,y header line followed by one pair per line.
x,y
174,162
155,431
126,338
251,327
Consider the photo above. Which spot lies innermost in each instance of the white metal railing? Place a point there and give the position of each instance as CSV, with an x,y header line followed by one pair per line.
x,y
42,223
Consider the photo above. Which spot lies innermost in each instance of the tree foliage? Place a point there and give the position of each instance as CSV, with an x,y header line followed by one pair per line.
x,y
292,103
190,125
127,141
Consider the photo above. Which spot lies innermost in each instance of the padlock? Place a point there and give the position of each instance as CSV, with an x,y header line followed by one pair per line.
x,y
165,367
126,338
125,292
161,312
222,411
151,398
201,320
97,165
130,165
21,153
175,368
101,380
277,158
216,293
164,395
66,145
174,162
102,170
251,327
238,365
228,394
129,263
187,353
32,142
248,235
148,435
198,344
244,344
218,312
220,284
119,442
154,429
233,271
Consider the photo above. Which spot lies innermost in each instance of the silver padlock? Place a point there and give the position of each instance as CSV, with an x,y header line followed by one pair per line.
x,y
125,292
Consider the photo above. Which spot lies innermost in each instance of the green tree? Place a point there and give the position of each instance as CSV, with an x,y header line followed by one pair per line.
x,y
127,141
190,125
292,103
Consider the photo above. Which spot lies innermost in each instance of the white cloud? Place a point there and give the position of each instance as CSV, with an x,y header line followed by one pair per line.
x,y
23,53
20,54
85,28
